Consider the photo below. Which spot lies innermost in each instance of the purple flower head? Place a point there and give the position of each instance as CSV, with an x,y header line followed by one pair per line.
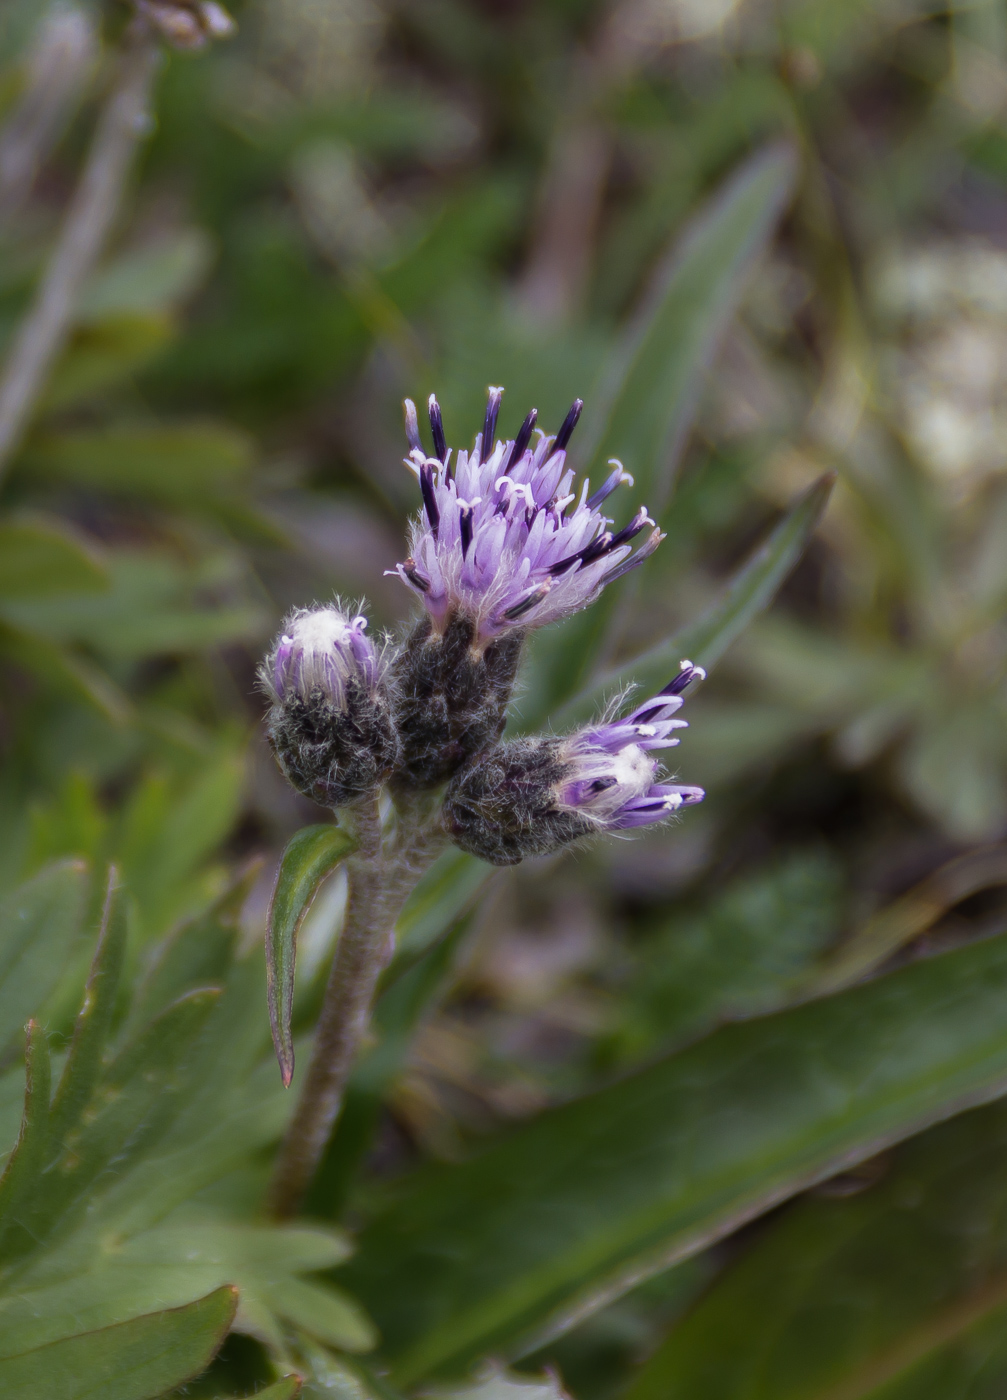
x,y
321,651
611,778
506,537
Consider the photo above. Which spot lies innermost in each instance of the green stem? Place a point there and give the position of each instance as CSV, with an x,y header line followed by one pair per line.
x,y
381,875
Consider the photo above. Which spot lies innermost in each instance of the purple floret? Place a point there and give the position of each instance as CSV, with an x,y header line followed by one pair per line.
x,y
505,537
321,649
611,777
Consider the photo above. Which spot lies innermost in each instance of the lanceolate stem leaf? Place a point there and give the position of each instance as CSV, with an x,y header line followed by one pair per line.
x,y
311,855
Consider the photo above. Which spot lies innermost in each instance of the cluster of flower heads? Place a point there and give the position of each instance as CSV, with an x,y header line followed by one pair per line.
x,y
505,533
505,542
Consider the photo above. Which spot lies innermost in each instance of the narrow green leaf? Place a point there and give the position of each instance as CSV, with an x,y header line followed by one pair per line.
x,y
83,1066
311,854
502,1252
26,1160
102,356
891,1283
66,671
39,556
906,918
147,279
646,407
155,603
136,1360
39,923
704,642
178,464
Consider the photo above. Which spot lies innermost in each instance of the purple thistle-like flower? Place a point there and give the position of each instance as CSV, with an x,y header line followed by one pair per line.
x,y
529,797
610,777
506,538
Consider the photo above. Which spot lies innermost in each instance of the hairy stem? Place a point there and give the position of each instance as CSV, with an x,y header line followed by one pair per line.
x,y
57,70
381,877
123,121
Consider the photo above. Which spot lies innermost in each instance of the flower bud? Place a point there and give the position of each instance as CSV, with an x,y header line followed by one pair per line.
x,y
530,797
329,725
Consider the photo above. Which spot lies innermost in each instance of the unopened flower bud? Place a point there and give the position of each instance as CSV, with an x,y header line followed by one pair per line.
x,y
530,797
329,725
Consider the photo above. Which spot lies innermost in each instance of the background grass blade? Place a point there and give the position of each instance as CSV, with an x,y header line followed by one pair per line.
x,y
846,1295
648,402
518,1244
311,854
704,642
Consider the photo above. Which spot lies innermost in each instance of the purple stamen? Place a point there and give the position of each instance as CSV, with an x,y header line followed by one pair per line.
x,y
562,565
603,545
634,560
523,439
429,496
526,604
631,530
684,679
437,428
465,528
566,429
415,577
603,492
490,423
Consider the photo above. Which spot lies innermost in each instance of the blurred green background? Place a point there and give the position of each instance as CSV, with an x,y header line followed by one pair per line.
x,y
356,200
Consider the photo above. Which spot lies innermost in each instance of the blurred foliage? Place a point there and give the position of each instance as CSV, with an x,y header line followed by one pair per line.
x,y
763,242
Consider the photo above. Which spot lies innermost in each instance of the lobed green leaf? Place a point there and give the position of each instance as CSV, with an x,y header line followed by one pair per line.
x,y
136,1360
39,923
83,1067
28,1157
